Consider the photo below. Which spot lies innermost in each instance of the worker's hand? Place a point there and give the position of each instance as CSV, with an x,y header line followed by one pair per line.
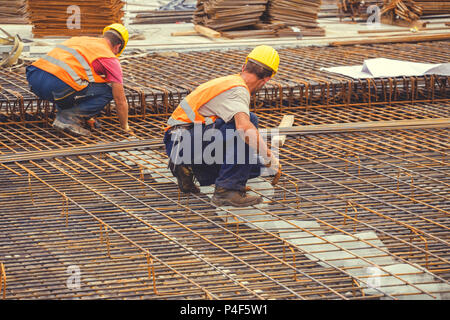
x,y
275,167
273,163
277,176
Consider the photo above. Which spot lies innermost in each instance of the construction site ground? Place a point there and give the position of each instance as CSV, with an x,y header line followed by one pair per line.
x,y
356,215
158,37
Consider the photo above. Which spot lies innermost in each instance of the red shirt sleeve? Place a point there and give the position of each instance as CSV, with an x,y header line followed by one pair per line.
x,y
109,68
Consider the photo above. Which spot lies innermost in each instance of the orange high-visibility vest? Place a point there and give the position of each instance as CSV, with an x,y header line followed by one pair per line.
x,y
72,60
187,110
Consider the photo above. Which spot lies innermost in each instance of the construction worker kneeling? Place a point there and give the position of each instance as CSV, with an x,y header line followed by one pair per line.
x,y
212,136
81,76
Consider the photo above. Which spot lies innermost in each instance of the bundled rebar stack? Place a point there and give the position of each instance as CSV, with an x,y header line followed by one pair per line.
x,y
402,10
357,8
433,7
223,15
298,13
156,17
173,11
329,8
13,11
405,10
88,17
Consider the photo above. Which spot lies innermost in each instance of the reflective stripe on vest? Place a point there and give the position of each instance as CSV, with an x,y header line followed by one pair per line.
x,y
72,60
66,68
80,59
191,115
209,120
172,122
187,110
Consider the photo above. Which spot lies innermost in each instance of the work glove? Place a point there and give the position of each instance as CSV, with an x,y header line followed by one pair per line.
x,y
272,163
274,166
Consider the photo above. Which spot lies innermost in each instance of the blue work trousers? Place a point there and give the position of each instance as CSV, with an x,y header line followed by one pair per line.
x,y
231,173
87,102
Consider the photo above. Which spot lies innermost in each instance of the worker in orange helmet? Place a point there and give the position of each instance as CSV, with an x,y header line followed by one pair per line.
x,y
216,108
81,76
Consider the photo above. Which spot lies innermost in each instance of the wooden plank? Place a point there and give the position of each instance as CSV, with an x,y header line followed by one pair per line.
x,y
401,39
400,30
207,32
278,141
366,126
184,33
403,23
286,122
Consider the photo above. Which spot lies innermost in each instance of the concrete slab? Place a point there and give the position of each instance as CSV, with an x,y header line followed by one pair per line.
x,y
413,275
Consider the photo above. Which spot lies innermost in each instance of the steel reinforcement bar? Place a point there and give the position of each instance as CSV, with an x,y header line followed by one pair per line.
x,y
347,203
156,84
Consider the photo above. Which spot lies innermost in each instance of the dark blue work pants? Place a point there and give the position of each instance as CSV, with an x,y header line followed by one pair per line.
x,y
87,103
229,174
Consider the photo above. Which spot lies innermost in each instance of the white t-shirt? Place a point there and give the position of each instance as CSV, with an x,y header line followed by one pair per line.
x,y
227,104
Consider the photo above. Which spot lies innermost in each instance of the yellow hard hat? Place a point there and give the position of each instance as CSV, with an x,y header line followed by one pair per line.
x,y
120,28
267,56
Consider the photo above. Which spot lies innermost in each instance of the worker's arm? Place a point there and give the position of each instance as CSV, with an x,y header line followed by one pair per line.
x,y
121,104
252,137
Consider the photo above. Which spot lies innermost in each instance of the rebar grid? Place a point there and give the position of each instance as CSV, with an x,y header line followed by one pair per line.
x,y
43,136
156,84
121,219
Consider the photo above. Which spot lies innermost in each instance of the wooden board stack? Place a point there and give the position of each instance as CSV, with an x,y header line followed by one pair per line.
x,y
13,11
221,15
433,7
260,18
264,30
56,18
298,13
155,17
328,8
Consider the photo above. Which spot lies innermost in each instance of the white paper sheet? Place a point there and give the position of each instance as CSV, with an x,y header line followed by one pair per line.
x,y
385,68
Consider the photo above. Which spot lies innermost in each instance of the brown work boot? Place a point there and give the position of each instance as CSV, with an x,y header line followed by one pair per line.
x,y
185,177
69,124
235,198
